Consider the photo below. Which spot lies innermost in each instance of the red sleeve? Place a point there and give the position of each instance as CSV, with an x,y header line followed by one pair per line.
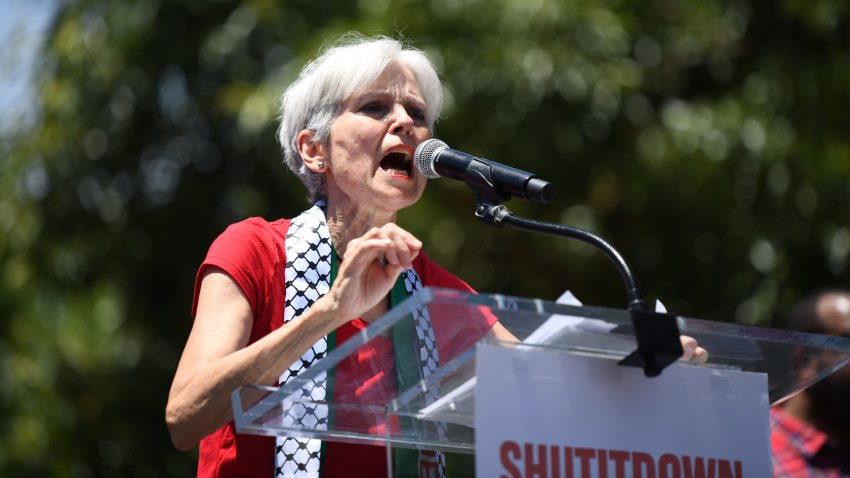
x,y
250,252
457,327
434,275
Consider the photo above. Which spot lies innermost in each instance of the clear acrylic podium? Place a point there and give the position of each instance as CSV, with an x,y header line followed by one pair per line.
x,y
369,400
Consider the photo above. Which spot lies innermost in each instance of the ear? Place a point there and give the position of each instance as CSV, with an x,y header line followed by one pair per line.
x,y
313,153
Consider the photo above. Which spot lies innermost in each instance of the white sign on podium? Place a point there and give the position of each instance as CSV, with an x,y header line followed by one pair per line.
x,y
546,414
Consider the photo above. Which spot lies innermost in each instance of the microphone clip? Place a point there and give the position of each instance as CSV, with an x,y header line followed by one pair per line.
x,y
491,212
658,344
479,177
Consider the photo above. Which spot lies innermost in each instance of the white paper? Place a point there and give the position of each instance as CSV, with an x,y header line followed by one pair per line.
x,y
458,406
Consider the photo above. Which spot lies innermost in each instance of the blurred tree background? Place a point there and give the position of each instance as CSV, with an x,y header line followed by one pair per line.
x,y
708,140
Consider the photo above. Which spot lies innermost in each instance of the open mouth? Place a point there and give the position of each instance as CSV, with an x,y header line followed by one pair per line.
x,y
398,163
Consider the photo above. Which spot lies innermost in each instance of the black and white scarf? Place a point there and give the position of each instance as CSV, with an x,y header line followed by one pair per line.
x,y
308,276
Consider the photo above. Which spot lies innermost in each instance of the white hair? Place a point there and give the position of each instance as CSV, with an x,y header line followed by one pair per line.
x,y
315,99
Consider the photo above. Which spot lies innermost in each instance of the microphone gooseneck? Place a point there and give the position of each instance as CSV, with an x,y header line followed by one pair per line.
x,y
657,334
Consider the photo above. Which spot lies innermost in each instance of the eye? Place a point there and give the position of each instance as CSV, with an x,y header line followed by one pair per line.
x,y
374,108
418,114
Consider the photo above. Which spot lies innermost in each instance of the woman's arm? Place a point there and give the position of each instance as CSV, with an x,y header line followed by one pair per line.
x,y
217,360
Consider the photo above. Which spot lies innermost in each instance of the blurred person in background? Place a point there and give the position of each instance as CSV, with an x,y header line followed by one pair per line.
x,y
810,432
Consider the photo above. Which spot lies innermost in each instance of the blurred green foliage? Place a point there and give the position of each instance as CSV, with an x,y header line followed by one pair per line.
x,y
707,140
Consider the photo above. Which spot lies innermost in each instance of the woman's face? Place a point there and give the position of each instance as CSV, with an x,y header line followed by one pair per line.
x,y
372,142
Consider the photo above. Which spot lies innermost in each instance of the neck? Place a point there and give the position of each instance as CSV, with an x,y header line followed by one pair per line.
x,y
348,221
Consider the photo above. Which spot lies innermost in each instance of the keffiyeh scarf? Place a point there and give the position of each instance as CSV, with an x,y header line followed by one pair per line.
x,y
309,273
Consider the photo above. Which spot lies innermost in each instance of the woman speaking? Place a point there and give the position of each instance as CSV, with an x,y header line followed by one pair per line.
x,y
271,298
264,295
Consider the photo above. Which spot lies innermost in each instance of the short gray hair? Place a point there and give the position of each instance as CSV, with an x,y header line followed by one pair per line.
x,y
350,65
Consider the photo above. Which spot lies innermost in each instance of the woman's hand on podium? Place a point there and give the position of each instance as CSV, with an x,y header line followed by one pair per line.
x,y
693,352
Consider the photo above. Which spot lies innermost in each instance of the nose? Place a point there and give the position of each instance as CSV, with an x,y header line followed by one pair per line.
x,y
402,123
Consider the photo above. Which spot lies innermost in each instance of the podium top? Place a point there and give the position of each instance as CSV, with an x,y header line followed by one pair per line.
x,y
396,382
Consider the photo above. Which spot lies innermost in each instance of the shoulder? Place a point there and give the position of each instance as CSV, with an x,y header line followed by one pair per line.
x,y
252,242
250,252
257,227
252,236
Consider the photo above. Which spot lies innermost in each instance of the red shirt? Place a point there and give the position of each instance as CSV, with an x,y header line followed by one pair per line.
x,y
252,252
801,450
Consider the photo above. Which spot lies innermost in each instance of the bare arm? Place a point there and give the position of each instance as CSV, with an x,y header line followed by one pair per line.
x,y
217,360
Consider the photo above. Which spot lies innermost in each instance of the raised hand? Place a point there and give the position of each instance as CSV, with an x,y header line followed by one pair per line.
x,y
370,267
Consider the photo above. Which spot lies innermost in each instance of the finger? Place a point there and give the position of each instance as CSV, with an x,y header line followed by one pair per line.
x,y
700,355
392,254
402,251
392,272
406,244
689,346
397,246
362,252
395,250
392,229
413,244
372,233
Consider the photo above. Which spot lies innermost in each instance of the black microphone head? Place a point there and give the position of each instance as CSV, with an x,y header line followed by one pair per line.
x,y
424,156
539,190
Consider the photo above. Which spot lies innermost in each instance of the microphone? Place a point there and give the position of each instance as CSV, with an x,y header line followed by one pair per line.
x,y
434,159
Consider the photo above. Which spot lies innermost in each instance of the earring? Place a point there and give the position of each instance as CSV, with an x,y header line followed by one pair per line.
x,y
321,165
